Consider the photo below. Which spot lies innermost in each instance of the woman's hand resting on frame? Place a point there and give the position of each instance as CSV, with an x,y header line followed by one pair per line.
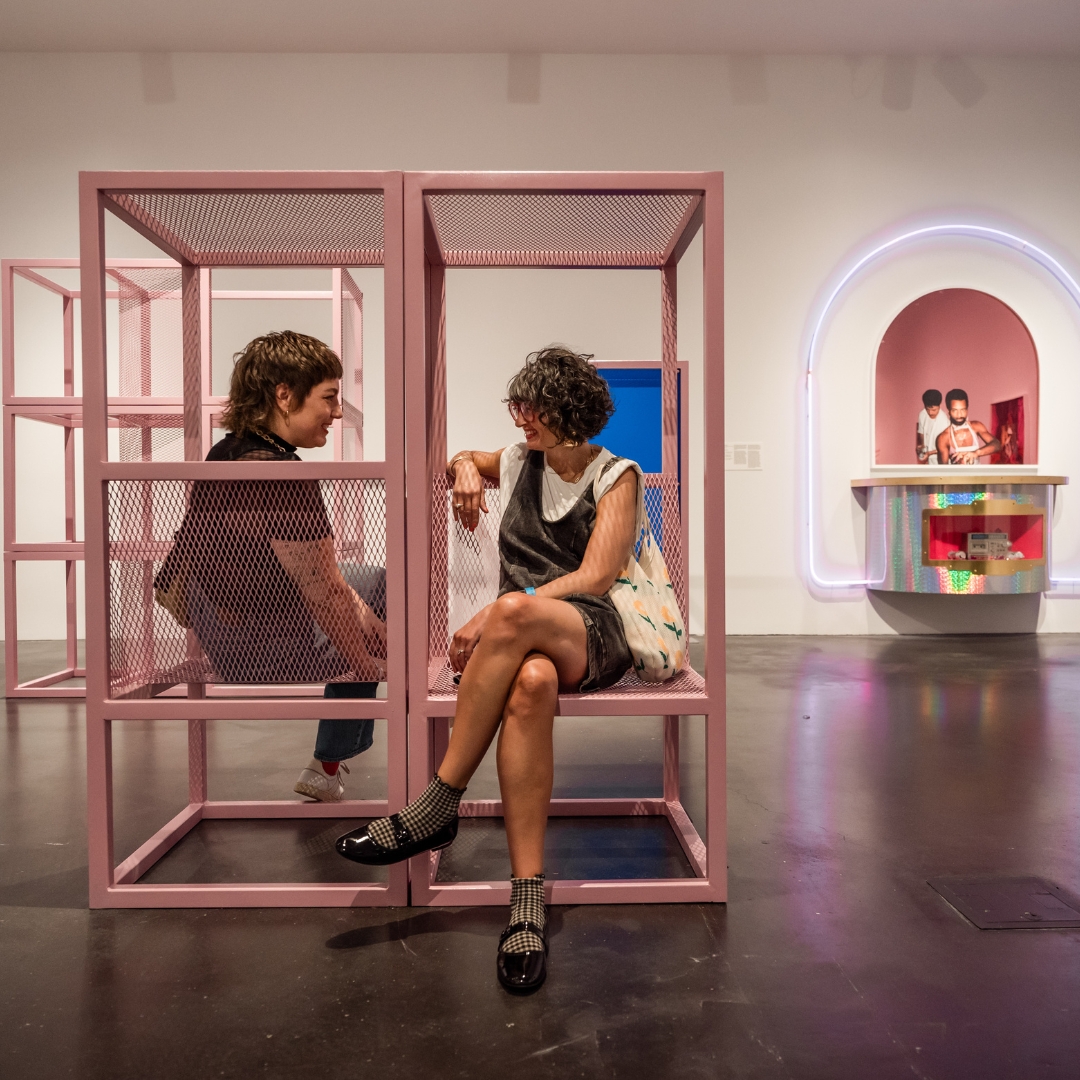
x,y
467,469
468,498
465,639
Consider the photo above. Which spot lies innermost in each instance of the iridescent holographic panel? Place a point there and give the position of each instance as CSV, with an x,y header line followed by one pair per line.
x,y
899,518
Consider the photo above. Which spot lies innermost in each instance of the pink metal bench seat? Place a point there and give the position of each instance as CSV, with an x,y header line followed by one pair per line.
x,y
687,686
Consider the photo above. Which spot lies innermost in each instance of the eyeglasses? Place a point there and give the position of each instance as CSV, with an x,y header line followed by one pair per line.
x,y
520,411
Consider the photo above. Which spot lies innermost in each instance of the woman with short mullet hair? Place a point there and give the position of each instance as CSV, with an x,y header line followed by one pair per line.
x,y
254,571
572,511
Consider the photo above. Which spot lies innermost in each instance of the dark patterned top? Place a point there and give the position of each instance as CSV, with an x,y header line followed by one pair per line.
x,y
227,532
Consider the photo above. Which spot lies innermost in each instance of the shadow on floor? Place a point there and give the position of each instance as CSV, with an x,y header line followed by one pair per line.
x,y
484,922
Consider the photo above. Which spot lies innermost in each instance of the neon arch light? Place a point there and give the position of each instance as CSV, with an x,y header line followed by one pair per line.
x,y
979,232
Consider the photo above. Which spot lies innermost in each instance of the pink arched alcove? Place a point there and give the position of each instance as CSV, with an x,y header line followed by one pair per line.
x,y
954,338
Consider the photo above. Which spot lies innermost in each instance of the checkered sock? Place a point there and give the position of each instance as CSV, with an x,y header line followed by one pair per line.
x,y
526,905
436,807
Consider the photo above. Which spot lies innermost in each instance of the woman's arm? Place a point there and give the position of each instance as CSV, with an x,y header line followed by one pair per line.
x,y
468,469
353,628
609,546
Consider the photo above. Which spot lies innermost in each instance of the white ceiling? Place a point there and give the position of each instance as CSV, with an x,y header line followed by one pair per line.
x,y
999,27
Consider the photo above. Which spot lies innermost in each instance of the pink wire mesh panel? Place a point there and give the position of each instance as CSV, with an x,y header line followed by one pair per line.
x,y
352,361
264,227
465,577
150,362
225,609
496,229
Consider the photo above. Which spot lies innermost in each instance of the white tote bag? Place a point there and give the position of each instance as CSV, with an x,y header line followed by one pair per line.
x,y
645,598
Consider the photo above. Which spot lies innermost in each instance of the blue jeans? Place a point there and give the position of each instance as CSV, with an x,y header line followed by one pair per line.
x,y
228,646
340,739
337,740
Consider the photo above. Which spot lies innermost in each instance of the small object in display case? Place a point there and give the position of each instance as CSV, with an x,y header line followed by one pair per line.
x,y
988,545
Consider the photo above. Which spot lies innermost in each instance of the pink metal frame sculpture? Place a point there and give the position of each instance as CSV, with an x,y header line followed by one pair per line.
x,y
564,221
62,411
136,410
201,221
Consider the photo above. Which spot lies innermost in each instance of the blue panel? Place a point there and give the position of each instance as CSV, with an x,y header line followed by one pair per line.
x,y
634,430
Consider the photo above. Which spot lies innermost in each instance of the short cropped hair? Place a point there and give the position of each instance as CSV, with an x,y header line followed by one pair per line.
x,y
955,395
565,391
931,398
299,361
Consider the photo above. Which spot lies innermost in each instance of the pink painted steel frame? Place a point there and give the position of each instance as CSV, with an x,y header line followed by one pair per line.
x,y
66,412
116,886
62,413
425,265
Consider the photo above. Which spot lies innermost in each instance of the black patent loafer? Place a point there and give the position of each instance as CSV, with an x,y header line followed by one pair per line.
x,y
361,847
522,973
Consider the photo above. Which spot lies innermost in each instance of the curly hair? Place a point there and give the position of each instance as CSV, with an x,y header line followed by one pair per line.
x,y
299,361
565,391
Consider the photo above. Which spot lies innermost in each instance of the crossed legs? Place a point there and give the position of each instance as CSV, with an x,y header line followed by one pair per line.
x,y
530,646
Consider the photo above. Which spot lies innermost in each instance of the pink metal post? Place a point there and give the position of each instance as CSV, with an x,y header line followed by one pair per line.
x,y
564,221
136,661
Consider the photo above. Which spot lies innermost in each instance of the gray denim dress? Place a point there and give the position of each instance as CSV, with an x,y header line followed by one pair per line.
x,y
533,552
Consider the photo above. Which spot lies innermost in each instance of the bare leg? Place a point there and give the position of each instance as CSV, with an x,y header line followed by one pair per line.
x,y
526,763
518,625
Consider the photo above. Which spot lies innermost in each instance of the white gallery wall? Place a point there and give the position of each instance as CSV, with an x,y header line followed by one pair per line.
x,y
824,158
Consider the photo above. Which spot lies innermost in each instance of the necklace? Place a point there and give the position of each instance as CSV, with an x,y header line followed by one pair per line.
x,y
275,441
593,452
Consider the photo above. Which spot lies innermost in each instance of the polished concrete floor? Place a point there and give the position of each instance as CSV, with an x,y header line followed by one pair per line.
x,y
858,769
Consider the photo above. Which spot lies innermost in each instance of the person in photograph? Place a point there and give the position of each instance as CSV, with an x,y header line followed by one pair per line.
x,y
1010,444
964,441
933,420
572,510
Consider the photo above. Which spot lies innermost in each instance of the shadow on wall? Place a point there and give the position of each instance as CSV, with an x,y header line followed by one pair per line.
x,y
923,613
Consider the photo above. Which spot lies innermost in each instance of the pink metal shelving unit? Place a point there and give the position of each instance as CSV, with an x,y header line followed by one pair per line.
x,y
563,221
140,665
61,411
147,292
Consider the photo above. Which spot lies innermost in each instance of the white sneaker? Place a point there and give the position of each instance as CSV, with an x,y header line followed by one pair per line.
x,y
315,784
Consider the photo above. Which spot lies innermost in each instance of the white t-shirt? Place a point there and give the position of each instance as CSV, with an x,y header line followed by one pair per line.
x,y
558,497
930,430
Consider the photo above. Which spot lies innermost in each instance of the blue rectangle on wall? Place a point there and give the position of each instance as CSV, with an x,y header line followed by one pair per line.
x,y
634,430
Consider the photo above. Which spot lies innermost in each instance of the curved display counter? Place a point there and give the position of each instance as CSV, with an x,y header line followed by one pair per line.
x,y
958,534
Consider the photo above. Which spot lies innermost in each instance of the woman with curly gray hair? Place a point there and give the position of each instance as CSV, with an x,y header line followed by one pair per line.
x,y
571,514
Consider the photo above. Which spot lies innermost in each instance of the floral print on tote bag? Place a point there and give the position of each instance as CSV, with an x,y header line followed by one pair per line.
x,y
645,598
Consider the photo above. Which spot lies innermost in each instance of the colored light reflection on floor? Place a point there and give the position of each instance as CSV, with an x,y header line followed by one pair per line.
x,y
931,701
836,694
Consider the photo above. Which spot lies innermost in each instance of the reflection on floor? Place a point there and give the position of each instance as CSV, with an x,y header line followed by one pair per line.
x,y
858,769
